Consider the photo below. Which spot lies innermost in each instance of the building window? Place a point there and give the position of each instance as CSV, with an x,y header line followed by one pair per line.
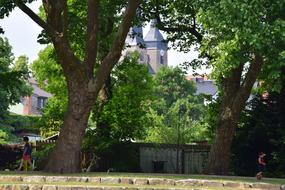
x,y
41,102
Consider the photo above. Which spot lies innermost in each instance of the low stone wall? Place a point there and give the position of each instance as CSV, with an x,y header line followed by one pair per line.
x,y
73,187
92,183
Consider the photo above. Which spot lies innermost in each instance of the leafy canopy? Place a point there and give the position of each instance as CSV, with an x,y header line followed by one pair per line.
x,y
175,115
13,77
236,30
46,68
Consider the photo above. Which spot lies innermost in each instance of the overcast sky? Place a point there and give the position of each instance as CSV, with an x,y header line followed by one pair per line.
x,y
22,34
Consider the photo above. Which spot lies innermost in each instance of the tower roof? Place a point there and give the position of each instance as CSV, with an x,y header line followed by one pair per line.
x,y
135,36
154,38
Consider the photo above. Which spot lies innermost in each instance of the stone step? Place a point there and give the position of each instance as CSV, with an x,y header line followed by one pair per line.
x,y
133,182
94,187
80,187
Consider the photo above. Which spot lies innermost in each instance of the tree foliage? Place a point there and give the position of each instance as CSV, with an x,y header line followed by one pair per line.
x,y
261,129
178,19
13,77
12,124
50,77
85,69
123,115
241,41
238,30
175,115
125,112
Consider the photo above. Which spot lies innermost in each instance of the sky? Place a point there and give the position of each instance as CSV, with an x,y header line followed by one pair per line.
x,y
22,34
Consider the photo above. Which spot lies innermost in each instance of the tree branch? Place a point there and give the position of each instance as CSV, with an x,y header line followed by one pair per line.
x,y
115,52
233,81
54,29
92,36
194,18
193,31
55,11
65,19
250,78
161,26
36,18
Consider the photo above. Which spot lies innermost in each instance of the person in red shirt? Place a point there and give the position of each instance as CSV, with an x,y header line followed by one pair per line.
x,y
261,165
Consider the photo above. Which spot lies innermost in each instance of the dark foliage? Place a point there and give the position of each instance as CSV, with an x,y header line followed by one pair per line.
x,y
13,125
9,157
119,157
263,129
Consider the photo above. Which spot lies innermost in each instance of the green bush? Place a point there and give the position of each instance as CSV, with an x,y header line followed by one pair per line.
x,y
23,122
41,155
261,129
11,124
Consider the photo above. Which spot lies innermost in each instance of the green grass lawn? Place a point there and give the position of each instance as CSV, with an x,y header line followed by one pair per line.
x,y
147,175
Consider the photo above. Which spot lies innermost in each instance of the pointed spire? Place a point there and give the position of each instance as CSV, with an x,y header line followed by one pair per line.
x,y
135,36
154,38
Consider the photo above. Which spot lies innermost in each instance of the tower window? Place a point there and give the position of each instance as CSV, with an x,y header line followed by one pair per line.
x,y
162,52
161,60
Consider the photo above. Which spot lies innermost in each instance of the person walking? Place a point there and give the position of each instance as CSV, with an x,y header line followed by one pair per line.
x,y
27,155
260,165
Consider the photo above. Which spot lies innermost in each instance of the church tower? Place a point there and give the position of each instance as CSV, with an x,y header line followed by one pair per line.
x,y
135,42
156,48
152,48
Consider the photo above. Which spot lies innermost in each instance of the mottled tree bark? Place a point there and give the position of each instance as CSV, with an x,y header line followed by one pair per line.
x,y
66,156
236,90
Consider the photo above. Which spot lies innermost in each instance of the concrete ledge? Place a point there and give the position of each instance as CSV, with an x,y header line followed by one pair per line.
x,y
10,178
110,180
54,187
141,181
189,182
207,183
34,179
73,187
158,181
233,184
266,186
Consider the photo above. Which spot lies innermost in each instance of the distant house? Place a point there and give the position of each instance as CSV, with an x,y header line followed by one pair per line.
x,y
32,105
204,85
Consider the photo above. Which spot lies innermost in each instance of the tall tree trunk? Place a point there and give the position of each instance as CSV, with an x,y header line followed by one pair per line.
x,y
236,91
65,158
219,157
